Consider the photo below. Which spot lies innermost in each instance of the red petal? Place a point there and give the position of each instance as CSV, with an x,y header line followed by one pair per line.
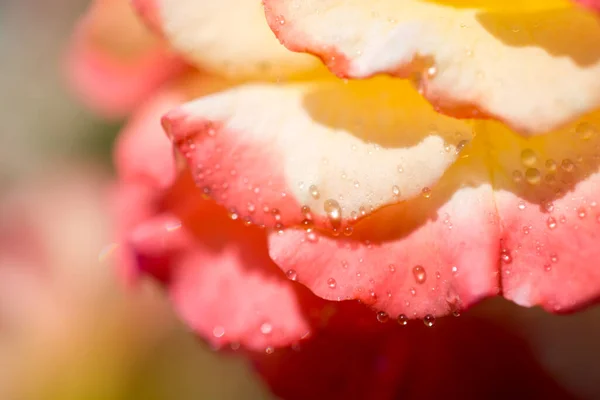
x,y
466,358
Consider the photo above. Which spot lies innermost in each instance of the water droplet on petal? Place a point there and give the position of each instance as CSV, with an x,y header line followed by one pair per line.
x,y
292,274
528,157
505,256
382,317
314,192
533,176
426,192
429,320
218,331
334,212
331,283
395,191
266,328
551,223
419,274
402,320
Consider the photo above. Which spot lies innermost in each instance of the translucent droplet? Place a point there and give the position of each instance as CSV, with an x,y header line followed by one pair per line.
x,y
505,256
533,176
413,291
331,283
554,258
429,320
551,222
314,192
419,274
581,213
311,236
395,191
382,317
431,72
266,328
348,230
567,165
585,130
334,212
528,157
550,165
517,176
402,320
426,192
291,274
454,269
218,331
392,268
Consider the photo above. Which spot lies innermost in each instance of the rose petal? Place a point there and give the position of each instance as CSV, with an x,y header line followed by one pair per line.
x,y
342,149
534,70
547,194
113,62
466,358
143,153
218,272
227,37
426,257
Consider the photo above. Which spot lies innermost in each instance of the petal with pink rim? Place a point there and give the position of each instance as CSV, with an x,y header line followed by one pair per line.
x,y
143,153
326,152
548,196
534,66
219,274
225,37
426,257
114,63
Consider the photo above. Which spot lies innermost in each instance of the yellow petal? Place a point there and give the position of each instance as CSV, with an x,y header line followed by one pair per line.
x,y
534,70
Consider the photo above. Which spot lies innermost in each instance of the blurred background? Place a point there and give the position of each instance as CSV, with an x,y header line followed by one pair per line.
x,y
68,329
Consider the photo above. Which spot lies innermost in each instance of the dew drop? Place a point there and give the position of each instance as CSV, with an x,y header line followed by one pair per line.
x,y
218,331
392,268
314,192
517,176
551,222
266,328
291,274
548,267
533,176
419,274
554,258
550,165
429,320
528,157
413,291
402,320
585,130
567,165
348,230
311,236
334,212
395,191
426,192
505,256
331,283
382,317
581,213
454,269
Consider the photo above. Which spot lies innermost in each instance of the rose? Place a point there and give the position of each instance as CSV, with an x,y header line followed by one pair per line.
x,y
278,134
